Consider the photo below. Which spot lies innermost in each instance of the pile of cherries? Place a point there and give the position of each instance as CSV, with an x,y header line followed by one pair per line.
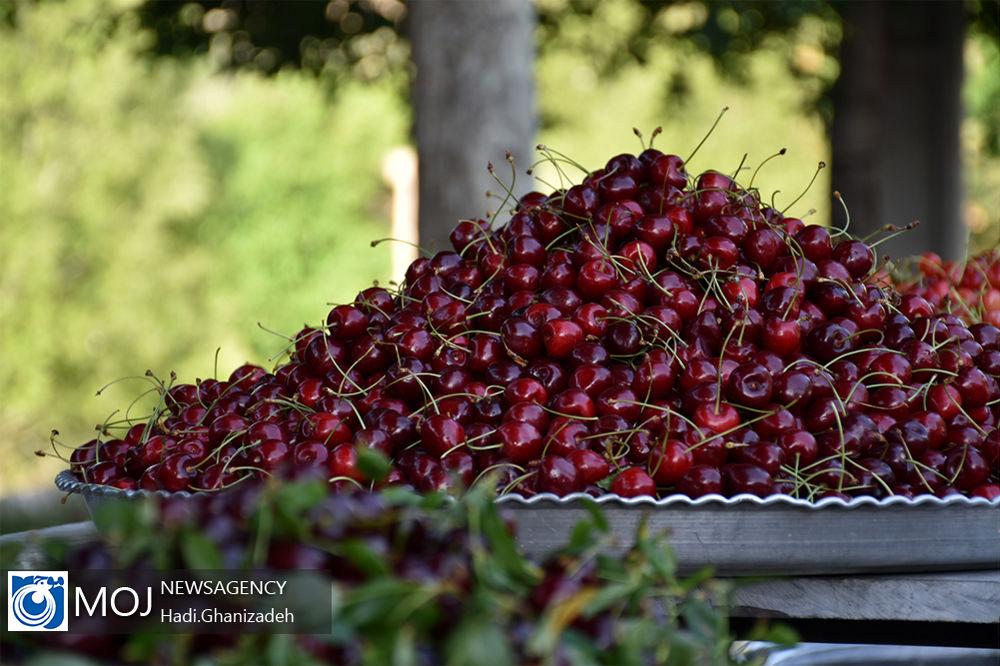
x,y
970,289
641,333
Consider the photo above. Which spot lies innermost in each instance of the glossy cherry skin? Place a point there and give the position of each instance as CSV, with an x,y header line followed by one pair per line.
x,y
746,478
633,482
591,466
669,461
521,442
700,480
750,385
558,475
441,435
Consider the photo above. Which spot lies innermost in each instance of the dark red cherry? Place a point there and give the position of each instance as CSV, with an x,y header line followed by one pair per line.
x,y
521,442
746,478
561,336
633,482
700,480
591,466
669,461
557,475
749,385
856,256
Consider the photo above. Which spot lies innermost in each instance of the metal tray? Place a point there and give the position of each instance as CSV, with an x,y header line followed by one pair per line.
x,y
96,495
747,535
781,535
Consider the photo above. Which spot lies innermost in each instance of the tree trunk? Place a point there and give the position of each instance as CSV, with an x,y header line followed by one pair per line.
x,y
897,113
473,100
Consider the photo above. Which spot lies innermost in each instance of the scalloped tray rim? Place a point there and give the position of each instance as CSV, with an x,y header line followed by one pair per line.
x,y
67,482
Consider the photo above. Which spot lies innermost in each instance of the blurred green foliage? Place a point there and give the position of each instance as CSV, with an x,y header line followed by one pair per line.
x,y
981,140
335,40
588,111
636,32
154,211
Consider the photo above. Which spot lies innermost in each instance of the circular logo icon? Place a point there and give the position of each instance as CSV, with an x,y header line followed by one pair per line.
x,y
33,605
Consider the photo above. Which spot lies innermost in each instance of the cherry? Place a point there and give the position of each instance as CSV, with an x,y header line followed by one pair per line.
x,y
346,322
669,462
620,401
767,455
557,475
623,338
855,256
656,231
700,480
552,376
800,447
484,350
990,491
746,478
667,170
596,278
563,299
268,455
343,463
633,482
521,442
375,439
762,247
591,466
974,387
827,341
573,402
815,242
944,400
325,427
966,468
591,378
525,389
521,338
441,435
718,418
749,385
565,435
176,472
782,336
309,453
521,278
654,377
461,466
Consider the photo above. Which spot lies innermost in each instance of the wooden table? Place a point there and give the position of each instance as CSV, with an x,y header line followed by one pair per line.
x,y
960,608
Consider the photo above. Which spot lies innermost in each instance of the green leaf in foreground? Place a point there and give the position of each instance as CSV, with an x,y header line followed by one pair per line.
x,y
479,639
373,464
199,551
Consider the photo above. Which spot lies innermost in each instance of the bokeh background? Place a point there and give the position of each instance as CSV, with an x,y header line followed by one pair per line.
x,y
182,184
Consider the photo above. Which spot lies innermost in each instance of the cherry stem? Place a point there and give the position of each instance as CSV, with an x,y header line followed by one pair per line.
x,y
819,167
705,138
847,213
389,239
743,160
761,165
508,189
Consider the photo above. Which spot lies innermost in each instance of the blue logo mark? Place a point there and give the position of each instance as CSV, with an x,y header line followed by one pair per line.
x,y
36,600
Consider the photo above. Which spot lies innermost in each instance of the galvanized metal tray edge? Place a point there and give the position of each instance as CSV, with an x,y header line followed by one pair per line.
x,y
67,482
746,534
